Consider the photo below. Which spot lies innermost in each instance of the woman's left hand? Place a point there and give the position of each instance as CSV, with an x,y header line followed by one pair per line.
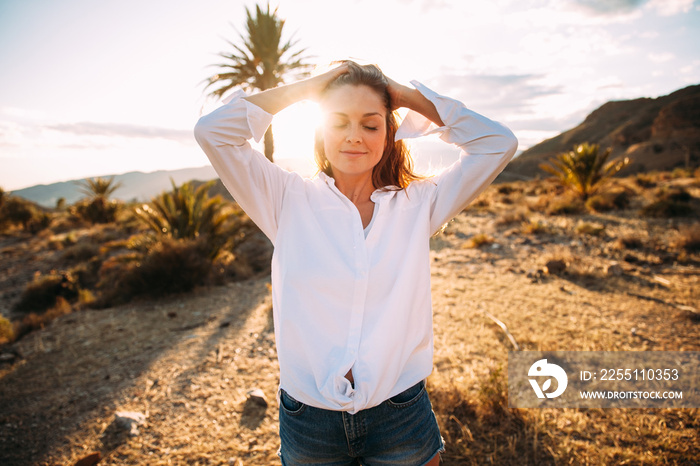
x,y
404,96
397,93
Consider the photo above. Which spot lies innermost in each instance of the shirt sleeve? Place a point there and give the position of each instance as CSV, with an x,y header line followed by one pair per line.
x,y
486,148
255,183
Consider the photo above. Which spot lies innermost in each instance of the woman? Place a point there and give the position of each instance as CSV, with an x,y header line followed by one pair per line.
x,y
350,269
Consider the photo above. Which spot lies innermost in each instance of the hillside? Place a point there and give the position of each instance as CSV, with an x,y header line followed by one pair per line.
x,y
616,280
656,134
135,185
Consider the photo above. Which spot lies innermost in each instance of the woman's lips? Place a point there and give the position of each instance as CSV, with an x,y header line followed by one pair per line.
x,y
352,153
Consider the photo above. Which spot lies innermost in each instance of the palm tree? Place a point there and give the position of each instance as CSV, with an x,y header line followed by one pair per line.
x,y
584,168
261,63
99,187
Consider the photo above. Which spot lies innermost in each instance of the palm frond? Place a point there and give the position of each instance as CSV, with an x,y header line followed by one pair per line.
x,y
584,168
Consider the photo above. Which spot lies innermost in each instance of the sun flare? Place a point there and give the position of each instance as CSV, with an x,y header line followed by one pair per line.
x,y
294,129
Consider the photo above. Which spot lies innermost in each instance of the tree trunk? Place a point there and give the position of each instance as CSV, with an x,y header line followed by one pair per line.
x,y
269,144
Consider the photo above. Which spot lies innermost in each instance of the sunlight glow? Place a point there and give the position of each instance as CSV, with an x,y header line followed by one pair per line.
x,y
293,130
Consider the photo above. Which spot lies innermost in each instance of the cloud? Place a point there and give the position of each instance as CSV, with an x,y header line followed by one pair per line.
x,y
497,93
671,7
610,6
122,130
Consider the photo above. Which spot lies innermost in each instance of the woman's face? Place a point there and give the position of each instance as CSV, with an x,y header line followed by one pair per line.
x,y
354,129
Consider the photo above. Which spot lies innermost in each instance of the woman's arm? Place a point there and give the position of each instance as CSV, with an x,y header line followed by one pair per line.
x,y
486,145
412,99
279,98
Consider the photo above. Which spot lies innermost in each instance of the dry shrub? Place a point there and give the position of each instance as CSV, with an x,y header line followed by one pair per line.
x,y
565,206
228,266
480,203
477,241
42,293
172,266
609,201
535,227
673,202
507,188
7,333
34,321
689,237
557,204
645,180
485,431
512,216
629,242
80,252
589,228
97,210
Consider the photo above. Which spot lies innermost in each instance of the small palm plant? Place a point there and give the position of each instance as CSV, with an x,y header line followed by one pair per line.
x,y
189,213
97,207
99,187
584,168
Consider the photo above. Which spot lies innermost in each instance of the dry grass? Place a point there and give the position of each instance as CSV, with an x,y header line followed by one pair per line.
x,y
188,361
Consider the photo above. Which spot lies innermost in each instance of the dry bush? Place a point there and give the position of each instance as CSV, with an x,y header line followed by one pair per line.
x,y
508,188
535,227
36,321
172,266
229,267
485,431
97,210
589,228
629,242
689,238
613,200
557,204
477,241
16,211
7,333
513,216
670,202
42,293
645,180
80,252
565,206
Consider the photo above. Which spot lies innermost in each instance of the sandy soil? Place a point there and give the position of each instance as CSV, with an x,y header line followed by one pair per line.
x,y
188,362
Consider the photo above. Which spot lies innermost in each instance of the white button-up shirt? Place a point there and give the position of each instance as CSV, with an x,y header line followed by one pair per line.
x,y
341,300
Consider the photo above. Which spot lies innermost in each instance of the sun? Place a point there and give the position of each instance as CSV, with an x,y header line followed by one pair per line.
x,y
293,130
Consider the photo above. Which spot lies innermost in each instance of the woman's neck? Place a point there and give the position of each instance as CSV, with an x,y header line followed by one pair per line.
x,y
356,188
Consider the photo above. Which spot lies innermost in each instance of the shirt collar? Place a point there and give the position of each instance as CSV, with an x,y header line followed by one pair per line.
x,y
376,196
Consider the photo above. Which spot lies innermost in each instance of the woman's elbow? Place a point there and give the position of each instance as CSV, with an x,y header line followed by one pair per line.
x,y
511,144
202,129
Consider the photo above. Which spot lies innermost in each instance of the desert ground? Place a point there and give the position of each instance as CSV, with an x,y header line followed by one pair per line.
x,y
614,280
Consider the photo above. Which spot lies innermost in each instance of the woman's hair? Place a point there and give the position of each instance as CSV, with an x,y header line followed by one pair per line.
x,y
395,168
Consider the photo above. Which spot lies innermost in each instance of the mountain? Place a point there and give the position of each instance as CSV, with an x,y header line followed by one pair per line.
x,y
656,134
135,185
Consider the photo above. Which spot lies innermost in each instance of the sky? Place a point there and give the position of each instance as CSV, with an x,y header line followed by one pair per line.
x,y
91,88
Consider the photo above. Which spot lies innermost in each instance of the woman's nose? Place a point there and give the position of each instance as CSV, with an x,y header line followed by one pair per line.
x,y
353,134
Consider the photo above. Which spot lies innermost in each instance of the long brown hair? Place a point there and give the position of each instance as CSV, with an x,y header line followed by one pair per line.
x,y
394,171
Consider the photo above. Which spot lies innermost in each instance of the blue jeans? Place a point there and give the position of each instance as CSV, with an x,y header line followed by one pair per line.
x,y
400,431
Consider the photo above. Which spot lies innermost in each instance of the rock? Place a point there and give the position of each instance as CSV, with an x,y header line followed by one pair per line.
x,y
614,269
89,460
257,396
129,421
554,267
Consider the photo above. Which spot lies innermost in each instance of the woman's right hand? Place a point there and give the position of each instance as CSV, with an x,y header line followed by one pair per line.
x,y
315,85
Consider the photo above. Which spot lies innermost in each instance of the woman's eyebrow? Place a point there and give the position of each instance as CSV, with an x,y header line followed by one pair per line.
x,y
363,116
